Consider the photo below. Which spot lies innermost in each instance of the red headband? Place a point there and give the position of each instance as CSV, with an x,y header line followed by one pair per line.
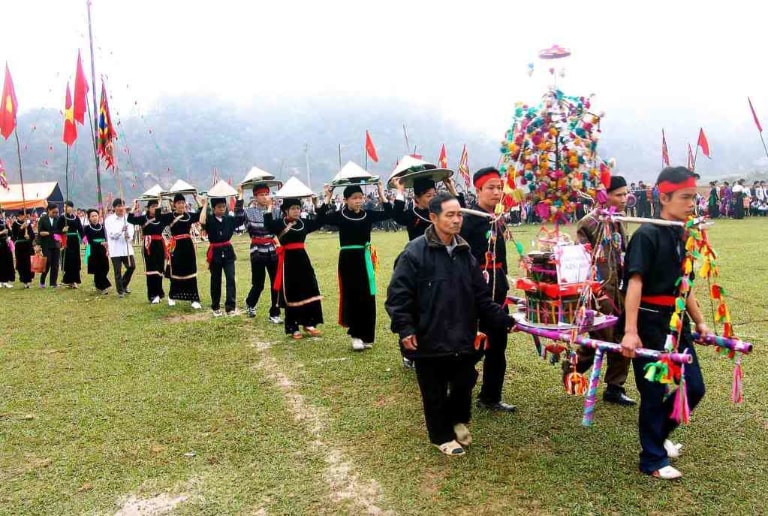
x,y
261,189
480,181
667,187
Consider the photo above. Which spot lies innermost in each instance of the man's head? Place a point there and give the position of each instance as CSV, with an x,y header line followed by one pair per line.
x,y
179,203
21,216
423,192
725,183
353,196
677,193
69,207
152,207
617,193
261,194
291,208
53,210
489,188
93,216
219,205
118,206
445,214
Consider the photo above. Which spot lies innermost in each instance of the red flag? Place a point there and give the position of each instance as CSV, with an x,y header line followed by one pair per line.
x,y
81,92
703,143
8,106
370,148
106,131
464,166
690,158
442,161
70,129
664,150
754,115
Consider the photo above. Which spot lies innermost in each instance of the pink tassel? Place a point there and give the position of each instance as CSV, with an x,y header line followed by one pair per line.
x,y
737,393
681,413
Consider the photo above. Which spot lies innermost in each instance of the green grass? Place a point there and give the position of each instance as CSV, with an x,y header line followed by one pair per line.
x,y
101,398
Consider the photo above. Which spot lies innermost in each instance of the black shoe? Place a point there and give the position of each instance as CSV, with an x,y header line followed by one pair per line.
x,y
499,406
619,398
408,364
127,290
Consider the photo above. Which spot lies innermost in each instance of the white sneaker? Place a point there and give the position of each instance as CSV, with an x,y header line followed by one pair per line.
x,y
357,345
367,345
667,473
217,313
674,450
171,302
275,319
156,300
9,285
196,305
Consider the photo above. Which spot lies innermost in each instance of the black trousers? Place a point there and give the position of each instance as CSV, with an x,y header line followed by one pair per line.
x,y
228,267
259,269
53,255
446,392
122,280
495,362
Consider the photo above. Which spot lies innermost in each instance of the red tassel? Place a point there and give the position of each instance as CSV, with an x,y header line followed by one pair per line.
x,y
681,413
737,393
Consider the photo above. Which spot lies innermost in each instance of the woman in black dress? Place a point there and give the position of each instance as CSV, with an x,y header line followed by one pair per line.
x,y
155,249
7,275
71,231
357,262
96,255
23,237
183,258
295,281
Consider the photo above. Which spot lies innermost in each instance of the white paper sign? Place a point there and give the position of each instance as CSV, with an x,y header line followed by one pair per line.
x,y
573,264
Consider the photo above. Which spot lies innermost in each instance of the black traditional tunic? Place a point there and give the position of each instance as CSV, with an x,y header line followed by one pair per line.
x,y
154,250
299,293
71,249
23,239
357,281
96,256
6,256
183,259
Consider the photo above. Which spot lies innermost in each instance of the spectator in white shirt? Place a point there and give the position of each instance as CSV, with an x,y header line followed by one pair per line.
x,y
120,239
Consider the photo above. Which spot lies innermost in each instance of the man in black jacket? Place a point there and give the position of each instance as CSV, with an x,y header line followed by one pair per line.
x,y
51,248
435,298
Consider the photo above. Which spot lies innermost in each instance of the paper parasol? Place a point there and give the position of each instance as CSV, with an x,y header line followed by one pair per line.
x,y
293,188
182,187
153,193
256,176
222,189
410,169
554,52
353,174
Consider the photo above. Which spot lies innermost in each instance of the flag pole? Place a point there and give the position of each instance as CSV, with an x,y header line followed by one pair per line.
x,y
99,199
695,155
365,157
764,147
21,174
66,173
407,145
339,156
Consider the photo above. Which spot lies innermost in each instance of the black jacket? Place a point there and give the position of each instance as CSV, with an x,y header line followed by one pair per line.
x,y
439,298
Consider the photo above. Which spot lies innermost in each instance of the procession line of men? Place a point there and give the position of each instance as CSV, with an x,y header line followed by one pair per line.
x,y
449,283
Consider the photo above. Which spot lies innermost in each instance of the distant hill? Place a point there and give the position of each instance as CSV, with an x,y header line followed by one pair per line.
x,y
187,137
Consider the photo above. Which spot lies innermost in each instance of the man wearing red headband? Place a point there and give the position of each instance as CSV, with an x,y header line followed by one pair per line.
x,y
263,253
652,267
489,248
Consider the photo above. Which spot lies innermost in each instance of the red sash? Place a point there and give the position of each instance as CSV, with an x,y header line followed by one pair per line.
x,y
148,239
660,300
280,262
174,238
212,246
261,241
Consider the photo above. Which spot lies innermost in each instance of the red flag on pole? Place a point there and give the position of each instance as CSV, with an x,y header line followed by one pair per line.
x,y
370,148
703,143
8,106
106,131
664,150
690,158
81,92
442,161
464,166
70,129
754,115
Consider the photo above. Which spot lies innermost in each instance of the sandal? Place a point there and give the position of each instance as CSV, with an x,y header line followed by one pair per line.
x,y
313,332
451,448
297,335
667,473
463,437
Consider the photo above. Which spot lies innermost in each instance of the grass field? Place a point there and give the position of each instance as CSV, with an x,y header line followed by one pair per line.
x,y
109,403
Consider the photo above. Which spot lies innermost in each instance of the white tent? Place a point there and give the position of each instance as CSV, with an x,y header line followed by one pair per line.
x,y
36,195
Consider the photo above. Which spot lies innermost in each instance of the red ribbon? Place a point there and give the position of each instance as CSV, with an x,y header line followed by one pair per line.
x,y
281,260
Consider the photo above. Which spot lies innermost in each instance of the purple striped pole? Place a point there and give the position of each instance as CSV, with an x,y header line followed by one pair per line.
x,y
723,342
594,380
